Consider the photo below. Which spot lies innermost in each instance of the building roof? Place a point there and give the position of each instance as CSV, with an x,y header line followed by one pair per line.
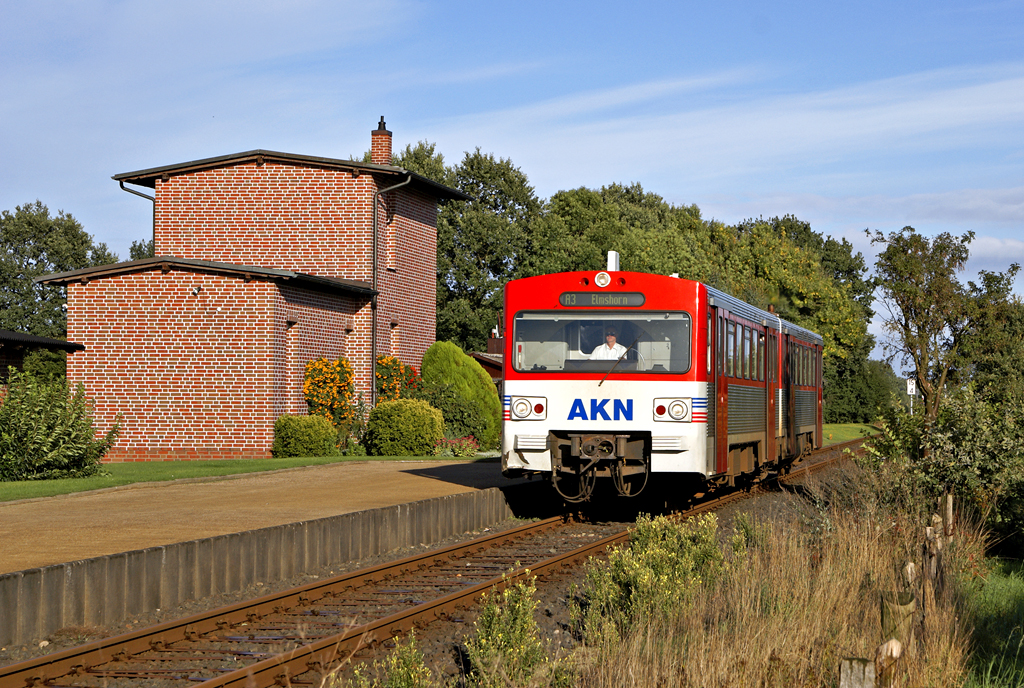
x,y
31,340
299,279
148,177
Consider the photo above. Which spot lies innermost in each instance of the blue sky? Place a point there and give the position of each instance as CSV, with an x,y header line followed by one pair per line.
x,y
870,115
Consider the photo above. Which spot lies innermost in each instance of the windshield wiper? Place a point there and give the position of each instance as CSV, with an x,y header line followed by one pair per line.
x,y
619,360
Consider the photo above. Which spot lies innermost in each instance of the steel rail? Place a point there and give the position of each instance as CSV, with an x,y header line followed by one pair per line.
x,y
40,670
320,655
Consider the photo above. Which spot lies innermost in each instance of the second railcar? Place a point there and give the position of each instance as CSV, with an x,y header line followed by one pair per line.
x,y
622,375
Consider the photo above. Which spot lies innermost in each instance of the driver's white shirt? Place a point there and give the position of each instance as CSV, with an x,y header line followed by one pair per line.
x,y
604,353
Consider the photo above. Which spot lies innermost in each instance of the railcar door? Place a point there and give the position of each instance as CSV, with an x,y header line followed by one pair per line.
x,y
789,382
721,395
819,431
711,340
771,394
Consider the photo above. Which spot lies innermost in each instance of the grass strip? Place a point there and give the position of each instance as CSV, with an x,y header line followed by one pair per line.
x,y
844,432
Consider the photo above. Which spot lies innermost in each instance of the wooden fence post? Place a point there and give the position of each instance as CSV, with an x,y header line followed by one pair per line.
x,y
933,546
856,673
898,609
887,656
950,526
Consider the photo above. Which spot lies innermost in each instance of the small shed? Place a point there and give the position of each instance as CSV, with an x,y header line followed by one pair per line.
x,y
15,345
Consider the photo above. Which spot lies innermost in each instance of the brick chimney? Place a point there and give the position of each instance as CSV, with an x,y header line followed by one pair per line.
x,y
380,144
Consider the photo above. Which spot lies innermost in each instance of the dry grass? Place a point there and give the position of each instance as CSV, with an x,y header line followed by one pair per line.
x,y
794,602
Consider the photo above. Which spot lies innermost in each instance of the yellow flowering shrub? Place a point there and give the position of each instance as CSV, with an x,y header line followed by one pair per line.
x,y
328,388
506,648
395,380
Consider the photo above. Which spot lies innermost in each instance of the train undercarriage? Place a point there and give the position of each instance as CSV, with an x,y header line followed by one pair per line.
x,y
580,460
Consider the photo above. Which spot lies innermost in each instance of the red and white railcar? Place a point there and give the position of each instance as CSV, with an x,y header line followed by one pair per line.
x,y
700,383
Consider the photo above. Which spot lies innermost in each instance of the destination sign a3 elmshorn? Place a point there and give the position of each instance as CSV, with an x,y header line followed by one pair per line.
x,y
593,299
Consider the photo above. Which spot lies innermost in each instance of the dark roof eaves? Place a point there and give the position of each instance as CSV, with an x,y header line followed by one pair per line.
x,y
147,177
35,340
316,282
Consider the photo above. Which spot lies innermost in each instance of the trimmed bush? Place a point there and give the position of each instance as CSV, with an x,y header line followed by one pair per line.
x,y
47,431
404,427
304,436
463,416
445,364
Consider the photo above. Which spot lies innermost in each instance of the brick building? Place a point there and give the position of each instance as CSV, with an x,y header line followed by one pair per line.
x,y
264,262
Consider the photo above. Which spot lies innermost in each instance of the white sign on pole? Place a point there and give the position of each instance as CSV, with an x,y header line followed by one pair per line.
x,y
911,387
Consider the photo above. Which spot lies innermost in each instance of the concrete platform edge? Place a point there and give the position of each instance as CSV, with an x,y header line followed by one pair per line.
x,y
105,590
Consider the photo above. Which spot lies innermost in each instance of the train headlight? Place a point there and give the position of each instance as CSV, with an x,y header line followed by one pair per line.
x,y
677,410
522,408
603,279
529,408
672,410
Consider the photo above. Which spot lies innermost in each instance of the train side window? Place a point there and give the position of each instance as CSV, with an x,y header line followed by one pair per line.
x,y
721,345
746,352
800,364
730,349
755,347
759,355
754,353
710,342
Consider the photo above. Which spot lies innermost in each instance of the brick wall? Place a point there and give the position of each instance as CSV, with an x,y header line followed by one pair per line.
x,y
272,215
408,275
315,221
197,376
311,325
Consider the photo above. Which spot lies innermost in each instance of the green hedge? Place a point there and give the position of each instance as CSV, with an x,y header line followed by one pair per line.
x,y
47,431
404,427
445,364
304,436
463,416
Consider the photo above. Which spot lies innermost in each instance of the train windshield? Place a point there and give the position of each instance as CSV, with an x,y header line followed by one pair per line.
x,y
640,341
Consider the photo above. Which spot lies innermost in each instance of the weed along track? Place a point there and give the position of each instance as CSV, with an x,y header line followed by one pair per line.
x,y
295,637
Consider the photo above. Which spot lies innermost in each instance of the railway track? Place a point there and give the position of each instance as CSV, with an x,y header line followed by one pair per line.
x,y
295,637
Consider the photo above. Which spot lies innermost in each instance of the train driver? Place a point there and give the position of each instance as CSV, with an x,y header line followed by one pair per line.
x,y
610,350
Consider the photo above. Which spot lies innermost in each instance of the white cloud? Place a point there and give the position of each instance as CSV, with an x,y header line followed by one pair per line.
x,y
679,136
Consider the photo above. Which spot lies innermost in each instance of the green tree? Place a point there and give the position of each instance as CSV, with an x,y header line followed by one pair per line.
x,y
997,351
481,245
930,316
423,159
32,244
142,249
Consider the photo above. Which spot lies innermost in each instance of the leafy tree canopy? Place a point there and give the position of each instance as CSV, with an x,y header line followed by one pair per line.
x,y
142,249
931,317
32,244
